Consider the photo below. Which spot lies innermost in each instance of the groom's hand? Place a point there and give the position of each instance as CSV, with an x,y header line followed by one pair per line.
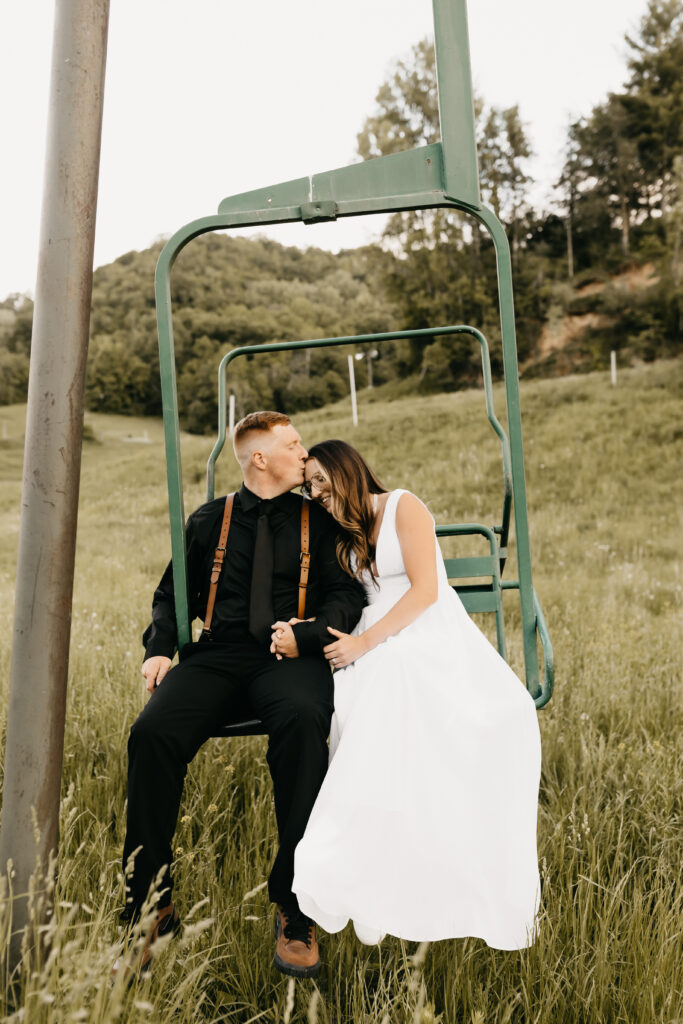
x,y
154,669
283,642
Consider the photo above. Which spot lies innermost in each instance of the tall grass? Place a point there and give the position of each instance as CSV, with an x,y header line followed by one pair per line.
x,y
604,503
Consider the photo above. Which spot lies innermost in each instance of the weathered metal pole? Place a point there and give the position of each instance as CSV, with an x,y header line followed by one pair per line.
x,y
52,453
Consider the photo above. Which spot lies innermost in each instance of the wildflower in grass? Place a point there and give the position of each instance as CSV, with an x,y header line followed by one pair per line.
x,y
289,1004
185,819
212,809
252,892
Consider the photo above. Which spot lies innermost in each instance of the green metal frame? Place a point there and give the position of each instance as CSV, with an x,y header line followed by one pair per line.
x,y
376,339
440,176
479,597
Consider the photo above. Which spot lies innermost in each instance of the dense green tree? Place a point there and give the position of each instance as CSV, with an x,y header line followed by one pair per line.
x,y
586,211
118,379
611,166
231,292
653,99
407,112
18,336
16,320
571,178
13,377
622,154
444,269
503,147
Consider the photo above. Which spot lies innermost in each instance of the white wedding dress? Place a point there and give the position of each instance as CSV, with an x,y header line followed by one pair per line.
x,y
425,825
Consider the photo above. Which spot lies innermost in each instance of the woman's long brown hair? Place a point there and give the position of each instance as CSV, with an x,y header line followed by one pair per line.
x,y
353,484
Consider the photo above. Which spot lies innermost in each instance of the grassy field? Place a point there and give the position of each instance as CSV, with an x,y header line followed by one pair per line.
x,y
604,483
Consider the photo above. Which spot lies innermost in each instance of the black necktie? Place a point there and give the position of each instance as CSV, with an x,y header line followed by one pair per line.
x,y
261,615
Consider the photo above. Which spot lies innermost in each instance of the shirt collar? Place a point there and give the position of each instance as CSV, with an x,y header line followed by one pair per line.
x,y
249,500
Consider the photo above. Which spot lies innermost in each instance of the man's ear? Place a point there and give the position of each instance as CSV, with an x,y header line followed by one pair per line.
x,y
258,459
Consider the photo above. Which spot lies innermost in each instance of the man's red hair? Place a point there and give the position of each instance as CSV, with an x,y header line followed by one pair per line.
x,y
263,421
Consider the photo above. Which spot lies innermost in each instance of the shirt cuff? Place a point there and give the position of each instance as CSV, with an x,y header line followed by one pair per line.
x,y
307,636
159,647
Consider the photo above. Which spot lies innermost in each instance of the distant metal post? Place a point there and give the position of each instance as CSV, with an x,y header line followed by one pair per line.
x,y
368,356
371,354
352,385
52,455
613,365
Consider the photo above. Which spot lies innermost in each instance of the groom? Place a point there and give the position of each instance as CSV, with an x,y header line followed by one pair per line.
x,y
232,668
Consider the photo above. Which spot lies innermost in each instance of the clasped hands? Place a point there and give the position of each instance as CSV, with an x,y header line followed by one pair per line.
x,y
344,650
282,641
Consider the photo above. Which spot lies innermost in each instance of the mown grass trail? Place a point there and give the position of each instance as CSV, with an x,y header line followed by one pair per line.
x,y
604,484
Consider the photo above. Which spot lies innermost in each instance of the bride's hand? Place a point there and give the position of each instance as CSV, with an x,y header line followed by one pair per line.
x,y
345,650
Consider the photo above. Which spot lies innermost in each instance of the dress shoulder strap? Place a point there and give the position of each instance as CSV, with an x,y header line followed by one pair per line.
x,y
393,498
392,504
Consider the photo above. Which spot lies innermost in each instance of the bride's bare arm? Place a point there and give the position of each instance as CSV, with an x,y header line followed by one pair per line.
x,y
415,529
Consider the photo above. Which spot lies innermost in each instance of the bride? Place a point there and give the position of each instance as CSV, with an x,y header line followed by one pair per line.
x,y
425,825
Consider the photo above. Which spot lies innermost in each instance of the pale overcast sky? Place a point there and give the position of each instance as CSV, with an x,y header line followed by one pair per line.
x,y
213,97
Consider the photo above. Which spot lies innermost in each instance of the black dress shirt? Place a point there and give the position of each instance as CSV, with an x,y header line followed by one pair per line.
x,y
332,596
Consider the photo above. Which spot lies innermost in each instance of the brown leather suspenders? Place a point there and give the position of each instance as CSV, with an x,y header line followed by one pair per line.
x,y
304,558
219,555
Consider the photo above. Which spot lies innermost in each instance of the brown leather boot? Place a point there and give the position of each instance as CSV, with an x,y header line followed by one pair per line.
x,y
296,950
166,922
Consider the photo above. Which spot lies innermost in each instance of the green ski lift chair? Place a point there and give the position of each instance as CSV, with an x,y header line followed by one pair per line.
x,y
442,175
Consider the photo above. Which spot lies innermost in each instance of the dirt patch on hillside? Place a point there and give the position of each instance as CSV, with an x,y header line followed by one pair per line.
x,y
632,279
557,335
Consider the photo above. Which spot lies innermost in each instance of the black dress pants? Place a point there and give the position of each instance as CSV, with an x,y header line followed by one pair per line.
x,y
293,698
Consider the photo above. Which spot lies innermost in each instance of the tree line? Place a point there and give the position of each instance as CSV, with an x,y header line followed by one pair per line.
x,y
618,204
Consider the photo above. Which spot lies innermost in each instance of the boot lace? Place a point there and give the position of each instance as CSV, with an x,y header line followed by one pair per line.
x,y
298,927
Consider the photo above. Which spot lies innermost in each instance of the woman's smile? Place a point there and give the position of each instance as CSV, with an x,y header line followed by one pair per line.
x,y
317,485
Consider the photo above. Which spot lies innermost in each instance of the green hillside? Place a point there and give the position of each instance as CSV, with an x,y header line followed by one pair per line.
x,y
597,269
226,291
604,483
